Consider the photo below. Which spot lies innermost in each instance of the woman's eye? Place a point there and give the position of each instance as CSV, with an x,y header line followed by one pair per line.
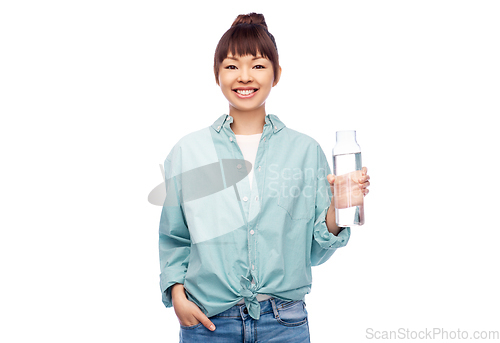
x,y
259,66
231,67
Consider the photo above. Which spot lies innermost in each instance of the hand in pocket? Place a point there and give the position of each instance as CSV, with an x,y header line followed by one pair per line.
x,y
188,313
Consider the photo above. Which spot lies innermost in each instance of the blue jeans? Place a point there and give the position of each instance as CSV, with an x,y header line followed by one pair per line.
x,y
280,321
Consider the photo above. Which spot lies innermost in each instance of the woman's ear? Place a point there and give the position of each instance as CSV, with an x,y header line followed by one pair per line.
x,y
275,82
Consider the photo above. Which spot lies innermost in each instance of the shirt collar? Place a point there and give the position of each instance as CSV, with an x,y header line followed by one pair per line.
x,y
272,119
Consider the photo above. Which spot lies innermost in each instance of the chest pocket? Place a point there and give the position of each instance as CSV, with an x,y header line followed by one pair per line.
x,y
297,197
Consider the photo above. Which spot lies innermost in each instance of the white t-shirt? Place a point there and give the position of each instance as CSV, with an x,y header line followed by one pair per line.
x,y
249,144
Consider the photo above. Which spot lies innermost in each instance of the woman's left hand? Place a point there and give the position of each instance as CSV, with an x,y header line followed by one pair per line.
x,y
349,189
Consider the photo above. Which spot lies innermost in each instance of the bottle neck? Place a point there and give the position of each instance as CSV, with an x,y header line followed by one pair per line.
x,y
346,143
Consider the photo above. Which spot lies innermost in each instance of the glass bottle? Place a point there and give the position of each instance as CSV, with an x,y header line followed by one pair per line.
x,y
349,204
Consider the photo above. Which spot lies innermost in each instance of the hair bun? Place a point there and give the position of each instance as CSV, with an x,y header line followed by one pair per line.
x,y
250,18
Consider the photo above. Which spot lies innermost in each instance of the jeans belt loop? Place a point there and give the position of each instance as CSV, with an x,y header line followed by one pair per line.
x,y
275,310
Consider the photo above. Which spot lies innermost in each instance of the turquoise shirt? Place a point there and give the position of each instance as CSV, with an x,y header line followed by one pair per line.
x,y
217,234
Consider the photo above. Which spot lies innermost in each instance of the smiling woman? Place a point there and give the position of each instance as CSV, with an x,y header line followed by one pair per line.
x,y
248,35
246,67
242,256
246,82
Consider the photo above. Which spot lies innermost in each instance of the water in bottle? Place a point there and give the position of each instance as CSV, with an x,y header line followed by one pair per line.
x,y
349,203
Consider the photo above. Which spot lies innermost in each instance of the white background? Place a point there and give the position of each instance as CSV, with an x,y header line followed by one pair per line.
x,y
95,93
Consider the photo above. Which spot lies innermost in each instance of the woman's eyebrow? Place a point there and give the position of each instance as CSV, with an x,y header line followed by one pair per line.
x,y
237,59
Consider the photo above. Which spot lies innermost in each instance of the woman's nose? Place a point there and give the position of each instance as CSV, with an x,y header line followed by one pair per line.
x,y
245,76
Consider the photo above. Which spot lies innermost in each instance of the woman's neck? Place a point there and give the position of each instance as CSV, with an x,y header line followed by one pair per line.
x,y
246,123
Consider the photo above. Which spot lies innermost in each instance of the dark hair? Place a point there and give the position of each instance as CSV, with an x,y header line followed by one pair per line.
x,y
247,36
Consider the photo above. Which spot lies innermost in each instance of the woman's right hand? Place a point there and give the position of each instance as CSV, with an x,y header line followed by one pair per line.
x,y
188,313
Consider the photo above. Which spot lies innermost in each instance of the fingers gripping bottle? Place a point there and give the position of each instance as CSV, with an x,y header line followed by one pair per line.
x,y
348,196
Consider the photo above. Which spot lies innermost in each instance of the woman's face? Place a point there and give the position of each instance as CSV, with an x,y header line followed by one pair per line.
x,y
246,81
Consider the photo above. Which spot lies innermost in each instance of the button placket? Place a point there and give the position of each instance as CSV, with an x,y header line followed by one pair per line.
x,y
252,237
268,130
239,155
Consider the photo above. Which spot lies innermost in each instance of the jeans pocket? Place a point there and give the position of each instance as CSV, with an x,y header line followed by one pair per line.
x,y
191,326
292,313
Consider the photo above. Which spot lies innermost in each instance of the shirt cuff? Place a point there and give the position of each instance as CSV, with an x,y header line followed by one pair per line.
x,y
326,239
165,285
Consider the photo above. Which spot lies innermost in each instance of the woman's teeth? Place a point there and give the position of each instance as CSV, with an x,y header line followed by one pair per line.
x,y
245,92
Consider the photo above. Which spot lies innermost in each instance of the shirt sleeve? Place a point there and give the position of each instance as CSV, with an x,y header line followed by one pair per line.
x,y
174,240
324,243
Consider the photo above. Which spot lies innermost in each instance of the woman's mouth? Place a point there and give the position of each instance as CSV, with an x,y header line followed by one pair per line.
x,y
245,93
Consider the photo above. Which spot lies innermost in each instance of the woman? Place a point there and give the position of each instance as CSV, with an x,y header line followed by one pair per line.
x,y
249,208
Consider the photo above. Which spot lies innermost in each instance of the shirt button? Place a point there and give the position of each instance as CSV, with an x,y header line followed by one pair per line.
x,y
245,198
238,166
259,168
276,128
218,127
264,138
252,232
253,267
231,139
257,198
